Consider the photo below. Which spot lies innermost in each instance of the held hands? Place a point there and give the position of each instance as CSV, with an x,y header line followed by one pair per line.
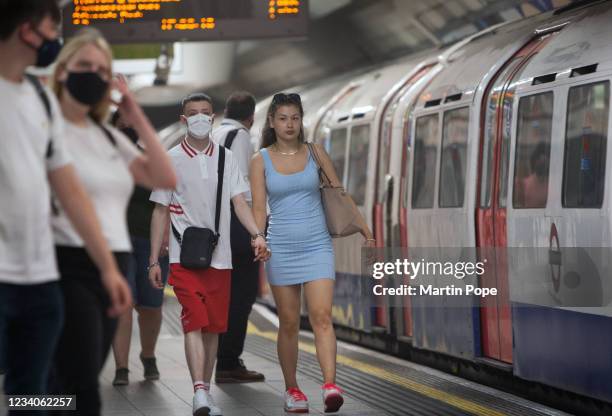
x,y
118,291
260,247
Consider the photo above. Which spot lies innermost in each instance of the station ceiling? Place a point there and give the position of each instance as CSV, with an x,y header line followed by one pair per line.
x,y
352,35
346,35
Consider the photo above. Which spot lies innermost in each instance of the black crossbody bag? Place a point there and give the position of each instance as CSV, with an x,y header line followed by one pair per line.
x,y
198,244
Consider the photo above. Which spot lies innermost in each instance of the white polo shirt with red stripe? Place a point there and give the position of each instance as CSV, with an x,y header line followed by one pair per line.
x,y
193,202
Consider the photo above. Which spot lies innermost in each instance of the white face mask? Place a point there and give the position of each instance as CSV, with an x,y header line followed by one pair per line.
x,y
199,126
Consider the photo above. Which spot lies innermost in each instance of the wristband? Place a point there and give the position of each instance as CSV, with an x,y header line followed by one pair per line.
x,y
152,265
259,234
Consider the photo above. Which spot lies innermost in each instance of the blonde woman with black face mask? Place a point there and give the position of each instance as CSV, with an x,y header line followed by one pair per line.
x,y
108,164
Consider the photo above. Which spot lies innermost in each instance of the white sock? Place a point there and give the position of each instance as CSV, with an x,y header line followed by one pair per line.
x,y
206,386
200,385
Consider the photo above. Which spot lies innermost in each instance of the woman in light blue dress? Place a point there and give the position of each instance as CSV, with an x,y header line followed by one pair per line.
x,y
285,175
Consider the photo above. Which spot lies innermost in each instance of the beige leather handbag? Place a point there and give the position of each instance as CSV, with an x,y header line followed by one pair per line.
x,y
341,213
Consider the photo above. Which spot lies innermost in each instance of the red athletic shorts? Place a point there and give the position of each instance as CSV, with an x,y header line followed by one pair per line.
x,y
204,296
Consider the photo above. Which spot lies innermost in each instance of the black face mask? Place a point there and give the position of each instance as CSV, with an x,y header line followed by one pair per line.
x,y
47,51
130,133
86,87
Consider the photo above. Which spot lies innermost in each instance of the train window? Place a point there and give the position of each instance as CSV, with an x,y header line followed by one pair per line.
x,y
358,163
424,167
585,145
454,152
532,158
337,147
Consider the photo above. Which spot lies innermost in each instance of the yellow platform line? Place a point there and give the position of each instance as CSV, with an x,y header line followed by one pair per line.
x,y
433,393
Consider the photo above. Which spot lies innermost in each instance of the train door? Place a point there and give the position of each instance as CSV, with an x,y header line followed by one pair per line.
x,y
386,185
496,125
385,181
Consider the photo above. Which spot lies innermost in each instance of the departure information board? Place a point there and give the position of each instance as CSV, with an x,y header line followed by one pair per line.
x,y
131,21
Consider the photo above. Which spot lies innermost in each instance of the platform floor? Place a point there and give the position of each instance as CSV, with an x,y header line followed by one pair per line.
x,y
375,383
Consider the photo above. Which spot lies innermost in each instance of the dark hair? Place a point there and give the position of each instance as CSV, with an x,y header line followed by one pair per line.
x,y
16,12
195,97
268,135
240,105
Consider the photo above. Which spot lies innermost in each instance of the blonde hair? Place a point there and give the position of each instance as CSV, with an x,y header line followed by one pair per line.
x,y
87,36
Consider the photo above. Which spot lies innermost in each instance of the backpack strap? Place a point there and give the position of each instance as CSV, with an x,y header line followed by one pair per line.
x,y
108,134
220,172
46,103
229,139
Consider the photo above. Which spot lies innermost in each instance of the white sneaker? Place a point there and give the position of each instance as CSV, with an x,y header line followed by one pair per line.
x,y
214,409
332,397
295,401
201,405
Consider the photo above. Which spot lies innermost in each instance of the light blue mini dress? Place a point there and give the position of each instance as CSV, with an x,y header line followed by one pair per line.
x,y
301,246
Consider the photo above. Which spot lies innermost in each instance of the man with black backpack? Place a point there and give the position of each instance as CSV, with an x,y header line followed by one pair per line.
x,y
34,161
233,133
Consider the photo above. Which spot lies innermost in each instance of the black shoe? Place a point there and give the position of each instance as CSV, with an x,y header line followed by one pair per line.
x,y
121,377
150,368
239,374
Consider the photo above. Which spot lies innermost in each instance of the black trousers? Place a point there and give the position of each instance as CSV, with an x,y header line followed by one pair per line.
x,y
30,323
245,281
88,330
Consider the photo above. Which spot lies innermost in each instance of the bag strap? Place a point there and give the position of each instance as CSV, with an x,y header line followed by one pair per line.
x,y
229,139
46,103
322,174
177,235
41,93
220,172
108,134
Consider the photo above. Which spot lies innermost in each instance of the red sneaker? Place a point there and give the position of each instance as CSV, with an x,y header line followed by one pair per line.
x,y
332,397
295,401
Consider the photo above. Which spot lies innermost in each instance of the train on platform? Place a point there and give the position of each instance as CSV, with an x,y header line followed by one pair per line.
x,y
498,142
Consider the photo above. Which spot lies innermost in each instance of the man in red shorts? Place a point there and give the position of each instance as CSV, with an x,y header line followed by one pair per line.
x,y
203,293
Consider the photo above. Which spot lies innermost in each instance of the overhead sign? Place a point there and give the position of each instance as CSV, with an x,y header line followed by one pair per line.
x,y
131,21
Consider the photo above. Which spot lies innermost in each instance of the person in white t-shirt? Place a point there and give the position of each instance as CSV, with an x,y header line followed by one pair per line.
x,y
109,164
34,161
203,293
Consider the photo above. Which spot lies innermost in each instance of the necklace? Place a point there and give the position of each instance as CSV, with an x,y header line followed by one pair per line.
x,y
285,153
